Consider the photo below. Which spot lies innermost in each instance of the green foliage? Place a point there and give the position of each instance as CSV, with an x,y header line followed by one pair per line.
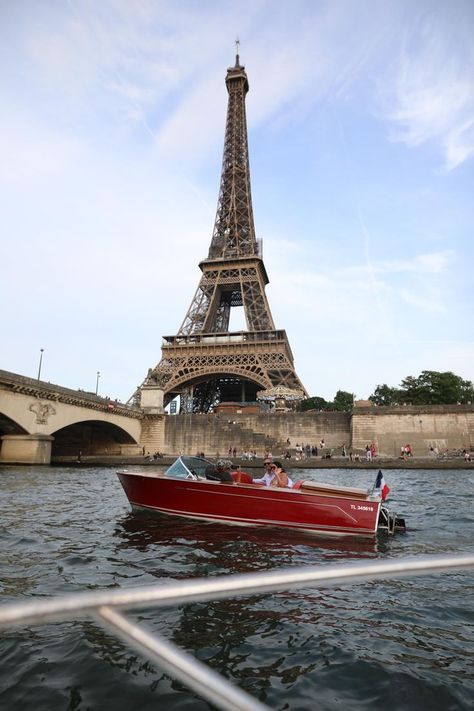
x,y
433,388
429,388
342,402
313,403
385,395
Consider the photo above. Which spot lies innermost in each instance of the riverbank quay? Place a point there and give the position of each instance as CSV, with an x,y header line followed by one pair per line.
x,y
292,464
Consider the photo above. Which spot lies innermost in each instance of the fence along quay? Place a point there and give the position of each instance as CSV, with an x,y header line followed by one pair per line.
x,y
105,608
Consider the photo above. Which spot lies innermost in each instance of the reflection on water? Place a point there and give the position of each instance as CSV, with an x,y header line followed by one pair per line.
x,y
143,529
402,644
227,633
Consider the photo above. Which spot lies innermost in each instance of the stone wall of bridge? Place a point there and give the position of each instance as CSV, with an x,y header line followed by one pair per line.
x,y
39,419
152,438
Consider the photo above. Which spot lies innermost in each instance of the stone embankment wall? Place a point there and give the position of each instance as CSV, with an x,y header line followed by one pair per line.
x,y
446,427
214,434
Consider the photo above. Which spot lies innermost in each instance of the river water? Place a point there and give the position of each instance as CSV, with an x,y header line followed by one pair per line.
x,y
403,644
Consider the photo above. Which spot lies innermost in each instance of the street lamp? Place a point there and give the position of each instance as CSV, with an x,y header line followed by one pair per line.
x,y
97,382
41,361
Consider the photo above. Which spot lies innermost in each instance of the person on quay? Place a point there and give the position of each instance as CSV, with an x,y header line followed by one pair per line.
x,y
275,476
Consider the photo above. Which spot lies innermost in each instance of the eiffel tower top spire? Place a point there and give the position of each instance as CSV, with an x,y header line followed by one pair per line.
x,y
237,46
234,230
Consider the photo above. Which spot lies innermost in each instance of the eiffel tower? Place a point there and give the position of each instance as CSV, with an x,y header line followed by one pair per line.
x,y
205,363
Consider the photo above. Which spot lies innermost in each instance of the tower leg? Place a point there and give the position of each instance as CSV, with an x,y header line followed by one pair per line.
x,y
187,398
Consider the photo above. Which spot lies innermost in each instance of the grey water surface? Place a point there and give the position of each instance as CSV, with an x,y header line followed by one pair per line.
x,y
396,644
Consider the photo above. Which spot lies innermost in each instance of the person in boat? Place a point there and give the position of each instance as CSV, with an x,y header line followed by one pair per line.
x,y
219,472
267,474
275,476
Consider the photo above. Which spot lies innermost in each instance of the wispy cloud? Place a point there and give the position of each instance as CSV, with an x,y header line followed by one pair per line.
x,y
425,300
111,135
429,97
128,62
433,263
393,292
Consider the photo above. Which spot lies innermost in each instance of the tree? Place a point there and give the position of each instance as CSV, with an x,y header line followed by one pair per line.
x,y
429,388
344,401
313,403
434,388
385,395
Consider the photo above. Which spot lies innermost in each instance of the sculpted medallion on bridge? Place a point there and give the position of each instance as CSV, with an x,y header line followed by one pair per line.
x,y
42,411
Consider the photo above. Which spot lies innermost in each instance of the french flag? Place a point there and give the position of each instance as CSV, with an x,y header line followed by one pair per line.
x,y
382,486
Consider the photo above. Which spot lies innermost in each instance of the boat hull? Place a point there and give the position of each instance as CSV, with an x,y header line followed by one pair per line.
x,y
253,505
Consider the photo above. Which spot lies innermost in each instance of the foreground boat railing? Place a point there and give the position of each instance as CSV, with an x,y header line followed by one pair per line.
x,y
104,607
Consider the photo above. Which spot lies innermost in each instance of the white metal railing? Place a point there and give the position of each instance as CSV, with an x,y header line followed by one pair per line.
x,y
104,607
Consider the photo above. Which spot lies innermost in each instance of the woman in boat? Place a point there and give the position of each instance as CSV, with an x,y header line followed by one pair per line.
x,y
276,477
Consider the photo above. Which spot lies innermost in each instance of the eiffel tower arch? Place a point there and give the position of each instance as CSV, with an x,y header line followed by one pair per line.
x,y
205,363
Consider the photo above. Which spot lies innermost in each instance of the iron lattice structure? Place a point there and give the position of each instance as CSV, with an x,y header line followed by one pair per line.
x,y
206,363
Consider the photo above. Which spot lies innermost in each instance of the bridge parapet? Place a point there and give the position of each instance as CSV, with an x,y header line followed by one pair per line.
x,y
49,391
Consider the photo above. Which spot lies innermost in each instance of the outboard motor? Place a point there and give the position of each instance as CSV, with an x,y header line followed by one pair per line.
x,y
389,522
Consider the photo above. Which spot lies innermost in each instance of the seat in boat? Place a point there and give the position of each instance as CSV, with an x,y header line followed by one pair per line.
x,y
241,477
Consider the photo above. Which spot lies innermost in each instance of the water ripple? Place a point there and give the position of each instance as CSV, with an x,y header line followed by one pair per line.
x,y
398,644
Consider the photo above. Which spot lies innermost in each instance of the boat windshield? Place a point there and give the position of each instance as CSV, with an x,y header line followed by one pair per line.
x,y
183,466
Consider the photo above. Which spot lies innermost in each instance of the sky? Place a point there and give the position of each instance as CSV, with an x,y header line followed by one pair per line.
x,y
361,137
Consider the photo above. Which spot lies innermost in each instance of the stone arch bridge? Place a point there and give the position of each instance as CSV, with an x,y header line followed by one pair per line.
x,y
39,419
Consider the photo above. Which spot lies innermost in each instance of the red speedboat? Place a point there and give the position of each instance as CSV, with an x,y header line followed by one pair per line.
x,y
183,490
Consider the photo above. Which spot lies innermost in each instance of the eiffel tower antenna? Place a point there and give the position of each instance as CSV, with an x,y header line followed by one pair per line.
x,y
206,363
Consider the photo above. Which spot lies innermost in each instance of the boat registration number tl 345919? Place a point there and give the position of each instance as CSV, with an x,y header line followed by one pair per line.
x,y
359,507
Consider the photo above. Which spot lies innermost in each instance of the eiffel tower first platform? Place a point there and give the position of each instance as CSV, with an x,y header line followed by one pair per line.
x,y
205,363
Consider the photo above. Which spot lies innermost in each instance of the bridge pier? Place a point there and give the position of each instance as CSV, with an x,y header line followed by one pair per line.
x,y
26,449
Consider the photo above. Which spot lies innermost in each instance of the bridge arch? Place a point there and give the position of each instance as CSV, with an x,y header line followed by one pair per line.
x,y
91,437
10,426
28,414
38,418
